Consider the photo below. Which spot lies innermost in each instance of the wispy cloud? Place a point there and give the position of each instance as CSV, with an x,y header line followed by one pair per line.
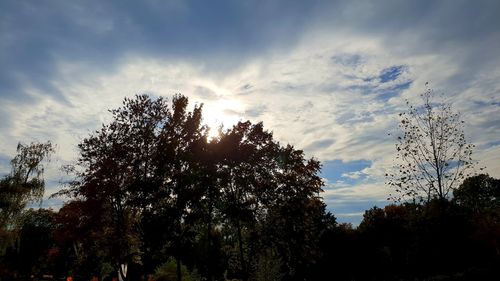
x,y
328,77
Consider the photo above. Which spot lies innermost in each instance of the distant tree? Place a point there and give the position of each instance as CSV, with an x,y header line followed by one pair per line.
x,y
433,155
37,250
372,219
478,193
24,184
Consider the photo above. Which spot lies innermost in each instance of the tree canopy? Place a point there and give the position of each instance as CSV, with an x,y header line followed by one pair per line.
x,y
24,184
153,197
153,169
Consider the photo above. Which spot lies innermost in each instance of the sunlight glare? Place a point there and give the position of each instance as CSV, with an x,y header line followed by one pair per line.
x,y
223,112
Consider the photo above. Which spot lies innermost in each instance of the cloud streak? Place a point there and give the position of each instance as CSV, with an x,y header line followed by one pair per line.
x,y
328,77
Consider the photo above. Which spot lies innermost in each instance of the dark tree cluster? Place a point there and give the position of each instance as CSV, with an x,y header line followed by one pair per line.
x,y
456,239
153,198
152,194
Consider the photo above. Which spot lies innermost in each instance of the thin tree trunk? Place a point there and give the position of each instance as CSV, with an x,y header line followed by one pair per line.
x,y
209,248
240,244
179,272
178,249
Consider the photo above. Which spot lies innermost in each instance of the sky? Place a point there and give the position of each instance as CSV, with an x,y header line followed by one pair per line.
x,y
329,77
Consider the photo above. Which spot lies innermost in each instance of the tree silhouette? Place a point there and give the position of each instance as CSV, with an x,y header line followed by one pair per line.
x,y
115,174
80,239
37,247
24,184
296,214
142,168
433,157
151,191
242,153
478,193
181,142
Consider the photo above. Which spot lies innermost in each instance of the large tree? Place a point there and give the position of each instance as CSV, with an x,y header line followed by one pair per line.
x,y
111,174
296,216
140,169
270,200
246,162
181,145
154,187
433,156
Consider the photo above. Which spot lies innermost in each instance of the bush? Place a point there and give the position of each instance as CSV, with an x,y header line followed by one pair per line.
x,y
168,272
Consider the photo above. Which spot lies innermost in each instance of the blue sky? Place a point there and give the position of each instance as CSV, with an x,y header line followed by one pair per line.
x,y
329,77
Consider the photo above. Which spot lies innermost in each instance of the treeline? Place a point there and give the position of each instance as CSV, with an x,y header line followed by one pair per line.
x,y
454,239
153,196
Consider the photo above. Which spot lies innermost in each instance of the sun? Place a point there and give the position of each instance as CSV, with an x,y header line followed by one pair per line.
x,y
222,112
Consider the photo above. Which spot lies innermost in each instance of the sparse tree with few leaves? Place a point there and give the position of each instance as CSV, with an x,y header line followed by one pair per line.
x,y
433,156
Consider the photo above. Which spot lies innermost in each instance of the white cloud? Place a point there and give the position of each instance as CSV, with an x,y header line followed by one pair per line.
x,y
322,93
353,175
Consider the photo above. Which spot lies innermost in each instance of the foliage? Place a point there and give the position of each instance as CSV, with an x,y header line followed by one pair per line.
x,y
433,156
168,272
267,267
81,240
421,242
24,184
479,192
37,248
153,168
35,251
136,166
151,191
